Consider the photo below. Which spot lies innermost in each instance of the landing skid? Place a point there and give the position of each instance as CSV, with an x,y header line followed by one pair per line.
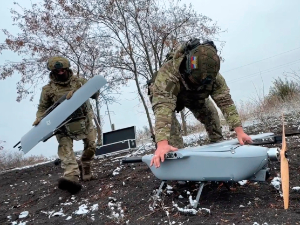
x,y
198,193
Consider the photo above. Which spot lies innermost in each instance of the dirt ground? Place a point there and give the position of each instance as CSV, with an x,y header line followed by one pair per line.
x,y
130,194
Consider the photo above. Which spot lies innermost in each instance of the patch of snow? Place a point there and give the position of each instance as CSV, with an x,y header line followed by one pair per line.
x,y
186,210
193,138
94,207
112,198
116,171
117,213
242,182
48,213
66,203
16,223
276,182
59,213
169,187
151,208
23,214
205,209
82,210
248,123
69,217
26,167
296,188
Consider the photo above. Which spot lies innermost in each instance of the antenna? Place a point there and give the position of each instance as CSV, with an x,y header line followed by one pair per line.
x,y
108,112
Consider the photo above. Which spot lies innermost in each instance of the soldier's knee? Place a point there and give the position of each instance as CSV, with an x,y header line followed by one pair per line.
x,y
89,144
65,152
64,147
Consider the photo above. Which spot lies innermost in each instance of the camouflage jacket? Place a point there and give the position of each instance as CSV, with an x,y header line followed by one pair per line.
x,y
82,119
54,90
169,85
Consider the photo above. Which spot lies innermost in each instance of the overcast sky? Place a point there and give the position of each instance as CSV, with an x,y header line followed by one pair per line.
x,y
265,31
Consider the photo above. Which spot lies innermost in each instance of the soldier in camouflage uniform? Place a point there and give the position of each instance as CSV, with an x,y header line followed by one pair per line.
x,y
63,82
187,81
208,116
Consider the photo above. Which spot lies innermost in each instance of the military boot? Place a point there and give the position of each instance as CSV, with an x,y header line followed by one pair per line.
x,y
85,171
70,184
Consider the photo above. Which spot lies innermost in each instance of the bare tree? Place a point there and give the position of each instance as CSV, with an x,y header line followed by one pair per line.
x,y
128,39
47,30
143,32
1,144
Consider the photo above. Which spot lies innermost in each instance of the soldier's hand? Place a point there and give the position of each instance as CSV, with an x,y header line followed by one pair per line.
x,y
159,156
70,94
242,137
37,121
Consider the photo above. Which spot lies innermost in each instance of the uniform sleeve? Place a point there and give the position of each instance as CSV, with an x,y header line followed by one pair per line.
x,y
82,81
44,104
221,95
165,90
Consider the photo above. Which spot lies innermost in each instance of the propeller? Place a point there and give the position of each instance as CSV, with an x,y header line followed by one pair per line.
x,y
284,169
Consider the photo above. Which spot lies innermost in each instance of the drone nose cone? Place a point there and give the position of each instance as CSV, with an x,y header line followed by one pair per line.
x,y
274,154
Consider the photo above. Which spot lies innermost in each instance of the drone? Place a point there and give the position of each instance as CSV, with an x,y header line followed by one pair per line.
x,y
225,161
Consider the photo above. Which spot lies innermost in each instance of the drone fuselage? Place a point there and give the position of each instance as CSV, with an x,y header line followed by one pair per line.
x,y
225,161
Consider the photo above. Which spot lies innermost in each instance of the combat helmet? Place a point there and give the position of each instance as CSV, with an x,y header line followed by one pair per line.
x,y
58,62
202,62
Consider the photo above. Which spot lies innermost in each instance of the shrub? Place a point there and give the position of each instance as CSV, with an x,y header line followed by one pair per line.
x,y
283,89
10,160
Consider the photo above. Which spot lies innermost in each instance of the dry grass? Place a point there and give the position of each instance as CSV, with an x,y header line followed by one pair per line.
x,y
260,109
283,97
10,160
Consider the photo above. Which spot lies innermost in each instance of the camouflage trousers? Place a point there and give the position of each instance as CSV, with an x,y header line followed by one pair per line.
x,y
207,114
67,156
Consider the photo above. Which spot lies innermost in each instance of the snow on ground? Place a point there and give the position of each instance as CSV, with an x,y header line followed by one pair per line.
x,y
116,211
26,167
191,139
296,188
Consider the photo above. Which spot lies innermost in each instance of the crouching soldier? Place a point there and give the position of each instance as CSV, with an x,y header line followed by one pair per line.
x,y
187,80
207,115
80,127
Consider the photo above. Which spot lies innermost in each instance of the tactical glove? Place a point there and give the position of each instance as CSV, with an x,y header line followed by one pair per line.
x,y
70,94
37,121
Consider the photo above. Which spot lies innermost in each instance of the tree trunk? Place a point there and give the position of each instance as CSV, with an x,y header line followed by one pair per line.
x,y
184,128
144,104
